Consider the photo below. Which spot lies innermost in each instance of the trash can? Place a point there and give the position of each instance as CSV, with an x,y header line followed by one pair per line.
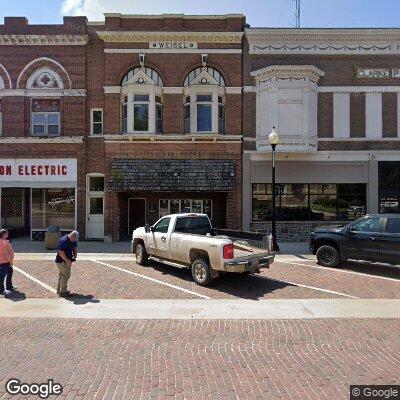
x,y
51,237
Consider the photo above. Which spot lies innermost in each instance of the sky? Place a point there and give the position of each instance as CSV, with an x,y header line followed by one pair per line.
x,y
272,13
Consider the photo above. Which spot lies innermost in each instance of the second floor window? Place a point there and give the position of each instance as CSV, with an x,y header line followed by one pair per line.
x,y
97,121
140,113
45,117
204,113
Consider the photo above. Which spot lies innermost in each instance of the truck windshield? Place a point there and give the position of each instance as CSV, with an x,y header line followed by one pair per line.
x,y
196,225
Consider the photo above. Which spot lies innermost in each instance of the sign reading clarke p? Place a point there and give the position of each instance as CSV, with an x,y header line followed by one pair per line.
x,y
37,170
378,73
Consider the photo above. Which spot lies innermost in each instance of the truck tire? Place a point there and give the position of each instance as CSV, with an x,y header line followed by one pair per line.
x,y
141,254
328,256
201,272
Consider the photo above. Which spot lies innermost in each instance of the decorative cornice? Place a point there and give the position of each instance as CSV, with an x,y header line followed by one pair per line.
x,y
140,36
287,73
43,40
323,41
42,92
170,138
34,140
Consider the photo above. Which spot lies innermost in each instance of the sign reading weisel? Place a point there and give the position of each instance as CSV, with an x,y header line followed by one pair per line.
x,y
173,45
378,73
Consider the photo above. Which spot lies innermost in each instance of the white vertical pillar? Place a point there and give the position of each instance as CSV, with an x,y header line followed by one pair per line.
x,y
273,110
373,115
341,115
193,113
214,113
129,121
152,112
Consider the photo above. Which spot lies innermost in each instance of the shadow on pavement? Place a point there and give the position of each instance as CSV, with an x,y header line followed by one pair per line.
x,y
384,270
15,296
81,299
252,287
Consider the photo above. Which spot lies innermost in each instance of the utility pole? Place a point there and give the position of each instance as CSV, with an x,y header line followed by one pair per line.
x,y
297,12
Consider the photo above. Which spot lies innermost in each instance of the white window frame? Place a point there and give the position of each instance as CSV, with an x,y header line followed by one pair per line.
x,y
149,106
180,205
92,122
46,114
215,92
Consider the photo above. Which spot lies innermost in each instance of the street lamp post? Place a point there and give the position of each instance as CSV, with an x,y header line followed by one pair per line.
x,y
273,140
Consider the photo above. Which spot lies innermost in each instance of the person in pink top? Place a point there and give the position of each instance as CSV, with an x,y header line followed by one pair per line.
x,y
6,261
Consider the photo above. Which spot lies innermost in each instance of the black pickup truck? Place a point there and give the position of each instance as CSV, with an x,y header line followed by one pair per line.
x,y
374,238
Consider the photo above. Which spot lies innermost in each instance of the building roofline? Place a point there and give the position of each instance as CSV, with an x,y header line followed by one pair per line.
x,y
184,16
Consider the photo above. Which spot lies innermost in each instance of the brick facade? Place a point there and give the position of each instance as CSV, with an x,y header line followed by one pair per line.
x,y
77,54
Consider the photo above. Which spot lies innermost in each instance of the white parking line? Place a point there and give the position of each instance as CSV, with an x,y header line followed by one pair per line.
x,y
309,287
342,270
44,285
153,280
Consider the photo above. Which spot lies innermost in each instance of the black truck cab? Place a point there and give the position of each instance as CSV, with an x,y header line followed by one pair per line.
x,y
374,238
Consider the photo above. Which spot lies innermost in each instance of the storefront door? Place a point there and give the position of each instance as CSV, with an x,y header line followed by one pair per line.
x,y
95,219
137,214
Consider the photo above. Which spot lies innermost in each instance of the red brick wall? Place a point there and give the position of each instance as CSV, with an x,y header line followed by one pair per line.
x,y
389,115
357,115
325,115
173,114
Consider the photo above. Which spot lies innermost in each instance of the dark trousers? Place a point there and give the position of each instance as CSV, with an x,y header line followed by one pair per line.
x,y
6,273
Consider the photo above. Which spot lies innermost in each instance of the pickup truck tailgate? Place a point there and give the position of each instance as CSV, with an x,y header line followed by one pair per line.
x,y
249,261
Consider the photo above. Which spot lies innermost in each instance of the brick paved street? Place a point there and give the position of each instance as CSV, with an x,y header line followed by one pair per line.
x,y
201,359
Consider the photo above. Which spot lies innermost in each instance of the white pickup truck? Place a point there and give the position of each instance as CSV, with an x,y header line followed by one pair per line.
x,y
188,241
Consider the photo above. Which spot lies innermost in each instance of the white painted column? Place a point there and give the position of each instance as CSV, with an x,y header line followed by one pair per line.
x,y
341,115
273,110
373,115
152,112
129,117
214,113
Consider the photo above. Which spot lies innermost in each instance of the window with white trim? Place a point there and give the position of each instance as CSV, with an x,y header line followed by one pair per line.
x,y
204,101
45,117
141,101
181,206
96,118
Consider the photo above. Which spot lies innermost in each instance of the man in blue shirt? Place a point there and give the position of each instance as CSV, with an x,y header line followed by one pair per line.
x,y
66,255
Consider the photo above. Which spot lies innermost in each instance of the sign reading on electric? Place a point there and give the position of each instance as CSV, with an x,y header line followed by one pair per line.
x,y
36,170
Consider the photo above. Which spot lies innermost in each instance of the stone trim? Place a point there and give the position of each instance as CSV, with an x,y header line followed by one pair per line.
x,y
161,51
358,89
42,92
141,36
35,140
170,138
43,40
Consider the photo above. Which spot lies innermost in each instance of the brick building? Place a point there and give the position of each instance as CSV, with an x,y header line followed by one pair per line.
x,y
108,125
333,96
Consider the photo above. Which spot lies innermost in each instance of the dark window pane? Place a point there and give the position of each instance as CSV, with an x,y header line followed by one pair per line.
x,y
53,129
293,207
200,225
182,224
204,123
262,207
207,208
315,188
97,129
389,205
141,117
141,97
203,97
97,116
162,226
329,188
38,129
393,225
96,184
259,188
185,206
96,206
174,206
323,207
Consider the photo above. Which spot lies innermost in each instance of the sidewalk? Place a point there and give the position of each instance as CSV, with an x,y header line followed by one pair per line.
x,y
121,250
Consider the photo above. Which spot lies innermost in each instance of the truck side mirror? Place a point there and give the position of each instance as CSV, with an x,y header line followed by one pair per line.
x,y
147,228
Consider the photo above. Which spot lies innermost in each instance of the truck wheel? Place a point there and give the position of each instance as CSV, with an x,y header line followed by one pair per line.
x,y
328,256
141,254
201,272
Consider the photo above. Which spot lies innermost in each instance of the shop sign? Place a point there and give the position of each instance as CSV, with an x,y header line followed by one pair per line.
x,y
38,170
173,45
377,73
290,145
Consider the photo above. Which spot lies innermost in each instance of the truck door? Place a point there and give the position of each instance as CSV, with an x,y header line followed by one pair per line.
x,y
390,241
158,238
363,239
181,228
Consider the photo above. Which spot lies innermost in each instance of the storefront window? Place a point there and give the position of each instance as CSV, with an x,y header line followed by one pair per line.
x,y
315,202
53,207
13,202
389,187
176,206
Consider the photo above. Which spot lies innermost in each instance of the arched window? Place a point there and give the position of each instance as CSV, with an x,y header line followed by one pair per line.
x,y
45,110
141,102
204,101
